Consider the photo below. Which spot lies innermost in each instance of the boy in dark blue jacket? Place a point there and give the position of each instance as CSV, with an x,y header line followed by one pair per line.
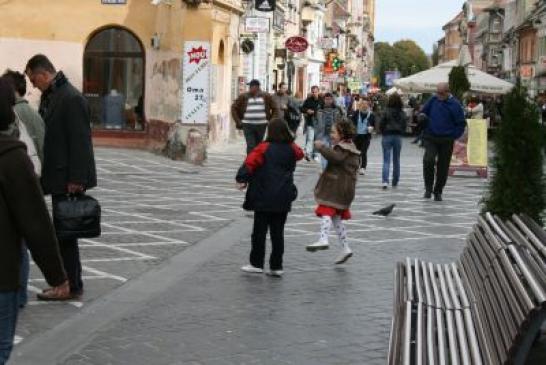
x,y
446,123
268,172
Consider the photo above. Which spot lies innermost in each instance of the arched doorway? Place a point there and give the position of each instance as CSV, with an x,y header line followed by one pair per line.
x,y
113,71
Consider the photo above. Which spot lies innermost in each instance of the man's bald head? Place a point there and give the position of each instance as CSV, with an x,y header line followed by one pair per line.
x,y
442,90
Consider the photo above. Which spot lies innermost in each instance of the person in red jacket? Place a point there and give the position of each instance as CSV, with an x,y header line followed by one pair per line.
x,y
268,176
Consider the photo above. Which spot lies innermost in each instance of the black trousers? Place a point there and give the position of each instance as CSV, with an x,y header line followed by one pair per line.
x,y
275,223
254,135
438,151
362,143
70,254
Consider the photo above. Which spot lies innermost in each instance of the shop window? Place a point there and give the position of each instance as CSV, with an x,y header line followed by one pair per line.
x,y
113,69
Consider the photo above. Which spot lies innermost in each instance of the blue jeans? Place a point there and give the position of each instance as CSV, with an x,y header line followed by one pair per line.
x,y
8,318
309,141
23,276
391,143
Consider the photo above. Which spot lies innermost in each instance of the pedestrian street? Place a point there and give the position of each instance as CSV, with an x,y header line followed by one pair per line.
x,y
156,211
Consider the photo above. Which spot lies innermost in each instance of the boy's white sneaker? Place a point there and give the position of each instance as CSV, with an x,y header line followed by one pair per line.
x,y
361,171
252,270
345,255
320,245
275,273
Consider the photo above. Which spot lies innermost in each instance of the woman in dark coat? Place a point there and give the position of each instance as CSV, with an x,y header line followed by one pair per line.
x,y
392,126
268,172
23,216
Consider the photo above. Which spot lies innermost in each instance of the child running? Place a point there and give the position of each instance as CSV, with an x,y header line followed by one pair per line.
x,y
268,171
335,189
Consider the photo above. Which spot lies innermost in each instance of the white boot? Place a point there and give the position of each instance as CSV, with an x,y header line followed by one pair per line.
x,y
344,255
319,245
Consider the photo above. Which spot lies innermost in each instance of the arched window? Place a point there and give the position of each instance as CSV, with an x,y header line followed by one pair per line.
x,y
113,70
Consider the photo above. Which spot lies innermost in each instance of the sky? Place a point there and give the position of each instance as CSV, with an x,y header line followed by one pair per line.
x,y
420,20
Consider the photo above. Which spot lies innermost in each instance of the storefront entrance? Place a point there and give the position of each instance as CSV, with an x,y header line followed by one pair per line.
x,y
113,71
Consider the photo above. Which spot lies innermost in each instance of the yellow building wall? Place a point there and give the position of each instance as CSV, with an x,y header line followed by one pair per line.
x,y
60,29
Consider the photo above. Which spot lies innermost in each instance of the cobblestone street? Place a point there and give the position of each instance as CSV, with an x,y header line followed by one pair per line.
x,y
163,286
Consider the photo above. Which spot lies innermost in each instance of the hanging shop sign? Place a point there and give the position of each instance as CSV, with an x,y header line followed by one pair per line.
x,y
296,44
256,25
265,5
196,82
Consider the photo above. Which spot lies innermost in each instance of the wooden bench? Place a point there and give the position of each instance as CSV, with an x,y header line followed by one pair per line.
x,y
485,309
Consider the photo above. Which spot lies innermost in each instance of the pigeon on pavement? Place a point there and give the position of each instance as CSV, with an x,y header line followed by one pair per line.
x,y
385,211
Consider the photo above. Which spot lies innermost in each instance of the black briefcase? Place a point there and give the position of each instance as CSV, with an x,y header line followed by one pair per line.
x,y
76,216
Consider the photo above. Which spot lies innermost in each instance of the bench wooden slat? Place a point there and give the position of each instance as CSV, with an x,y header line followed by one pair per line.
x,y
522,295
509,293
418,281
535,258
437,296
533,231
409,278
420,339
487,343
510,323
453,293
494,224
432,348
532,281
470,278
492,239
394,345
441,336
452,338
407,334
443,288
472,333
428,288
460,288
497,318
491,327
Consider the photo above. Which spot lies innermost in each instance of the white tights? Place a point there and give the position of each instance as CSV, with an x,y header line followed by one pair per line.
x,y
326,224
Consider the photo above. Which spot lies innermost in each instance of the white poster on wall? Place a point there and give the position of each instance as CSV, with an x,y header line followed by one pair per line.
x,y
196,65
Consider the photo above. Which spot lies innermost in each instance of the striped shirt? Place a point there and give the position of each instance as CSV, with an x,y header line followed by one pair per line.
x,y
255,111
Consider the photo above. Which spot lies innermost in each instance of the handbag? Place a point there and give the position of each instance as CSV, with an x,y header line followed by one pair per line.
x,y
76,216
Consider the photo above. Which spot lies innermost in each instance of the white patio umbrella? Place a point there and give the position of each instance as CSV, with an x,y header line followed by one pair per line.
x,y
426,81
393,90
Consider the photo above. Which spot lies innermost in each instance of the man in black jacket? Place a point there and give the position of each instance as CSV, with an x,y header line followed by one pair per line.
x,y
69,163
310,109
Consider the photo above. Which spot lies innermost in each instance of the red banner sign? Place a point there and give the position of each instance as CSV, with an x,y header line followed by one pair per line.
x,y
296,44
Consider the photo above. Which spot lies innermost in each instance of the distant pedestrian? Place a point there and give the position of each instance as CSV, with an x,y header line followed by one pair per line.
x,y
281,99
310,109
23,216
364,122
31,133
446,123
326,117
293,113
336,187
392,126
251,113
268,176
69,162
475,108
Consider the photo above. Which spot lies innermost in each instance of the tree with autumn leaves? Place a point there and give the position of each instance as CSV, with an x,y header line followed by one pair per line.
x,y
405,56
